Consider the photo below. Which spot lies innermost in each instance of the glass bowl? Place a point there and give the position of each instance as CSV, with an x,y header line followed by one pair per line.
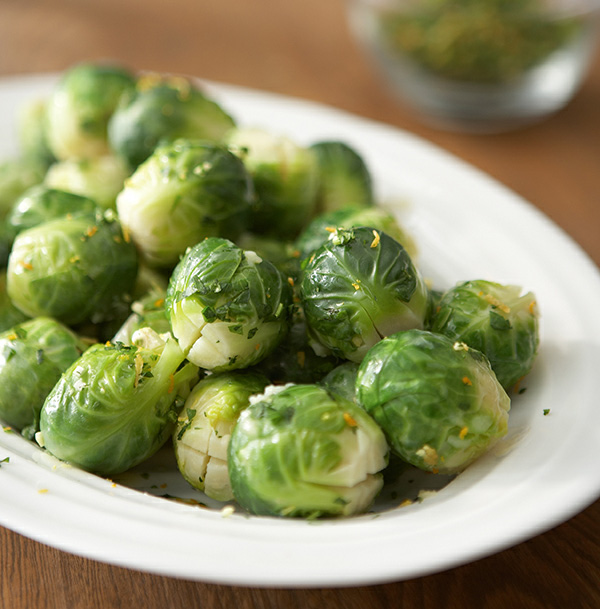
x,y
480,65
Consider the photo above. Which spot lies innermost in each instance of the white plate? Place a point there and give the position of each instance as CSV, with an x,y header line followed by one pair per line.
x,y
466,226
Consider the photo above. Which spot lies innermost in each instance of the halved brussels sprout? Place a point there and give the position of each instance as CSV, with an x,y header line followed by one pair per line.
x,y
80,106
77,268
184,192
285,177
101,178
33,355
344,178
438,401
204,428
228,308
358,288
117,404
40,204
499,320
298,451
320,228
163,109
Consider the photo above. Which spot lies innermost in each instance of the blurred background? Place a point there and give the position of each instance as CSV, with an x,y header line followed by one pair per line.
x,y
303,49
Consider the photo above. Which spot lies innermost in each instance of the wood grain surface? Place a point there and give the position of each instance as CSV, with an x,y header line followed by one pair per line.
x,y
304,49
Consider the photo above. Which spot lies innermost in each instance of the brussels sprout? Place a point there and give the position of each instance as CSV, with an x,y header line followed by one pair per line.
x,y
33,355
117,404
80,106
164,109
283,254
438,401
228,308
320,228
297,451
498,320
7,236
76,268
40,204
184,192
204,428
285,179
294,360
359,287
344,178
341,381
101,178
9,314
148,312
16,176
32,132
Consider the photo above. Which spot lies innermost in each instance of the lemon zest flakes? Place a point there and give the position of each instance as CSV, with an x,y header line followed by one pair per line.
x,y
330,229
467,381
376,239
26,265
428,454
356,286
496,303
532,307
290,280
350,421
463,432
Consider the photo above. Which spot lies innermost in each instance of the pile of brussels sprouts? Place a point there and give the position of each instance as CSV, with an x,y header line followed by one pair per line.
x,y
171,276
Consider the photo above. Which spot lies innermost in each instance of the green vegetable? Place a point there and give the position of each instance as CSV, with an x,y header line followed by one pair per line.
x,y
498,320
116,405
204,428
358,288
341,381
33,355
438,401
297,451
184,192
164,109
9,314
320,228
344,178
294,360
285,177
100,178
147,312
228,308
76,268
16,176
40,204
32,132
80,106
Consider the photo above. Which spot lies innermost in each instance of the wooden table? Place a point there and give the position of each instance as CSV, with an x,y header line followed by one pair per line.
x,y
304,49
